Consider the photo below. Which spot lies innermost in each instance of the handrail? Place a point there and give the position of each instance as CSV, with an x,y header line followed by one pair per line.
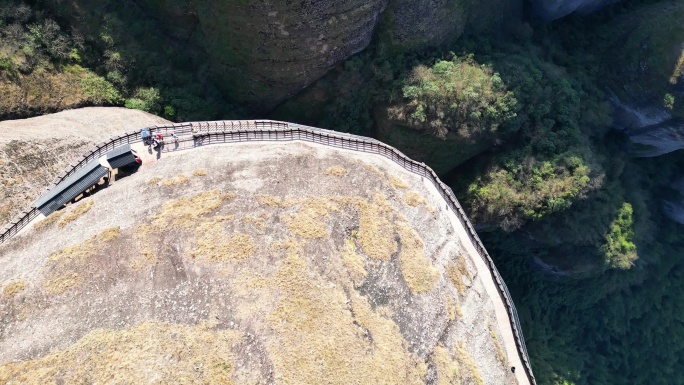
x,y
204,133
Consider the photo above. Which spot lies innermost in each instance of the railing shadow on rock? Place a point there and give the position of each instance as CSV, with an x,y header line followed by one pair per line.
x,y
197,134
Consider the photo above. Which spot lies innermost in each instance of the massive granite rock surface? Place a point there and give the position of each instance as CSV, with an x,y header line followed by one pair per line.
x,y
555,9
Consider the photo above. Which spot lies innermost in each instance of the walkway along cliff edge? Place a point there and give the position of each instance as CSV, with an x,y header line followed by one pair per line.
x,y
219,132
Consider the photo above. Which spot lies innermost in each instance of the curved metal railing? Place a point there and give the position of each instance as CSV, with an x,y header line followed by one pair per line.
x,y
197,134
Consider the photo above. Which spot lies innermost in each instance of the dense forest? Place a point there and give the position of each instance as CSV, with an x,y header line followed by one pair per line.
x,y
520,121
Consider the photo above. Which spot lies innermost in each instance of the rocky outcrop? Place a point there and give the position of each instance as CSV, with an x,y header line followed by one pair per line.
x,y
435,22
555,9
245,272
674,206
264,52
645,53
651,129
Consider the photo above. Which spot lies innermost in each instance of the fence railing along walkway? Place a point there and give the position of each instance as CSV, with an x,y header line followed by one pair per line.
x,y
198,134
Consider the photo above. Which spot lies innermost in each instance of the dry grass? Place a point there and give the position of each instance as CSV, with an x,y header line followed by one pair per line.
x,y
456,272
353,262
62,283
185,211
80,252
258,221
396,182
453,308
318,340
150,352
497,344
374,170
153,181
270,200
77,253
146,257
211,244
309,221
13,288
52,218
176,180
466,361
79,209
109,234
376,232
199,172
448,371
414,199
416,268
336,171
61,265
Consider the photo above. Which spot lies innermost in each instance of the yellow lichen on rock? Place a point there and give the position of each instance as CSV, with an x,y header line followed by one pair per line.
x,y
150,352
199,172
416,268
258,221
13,288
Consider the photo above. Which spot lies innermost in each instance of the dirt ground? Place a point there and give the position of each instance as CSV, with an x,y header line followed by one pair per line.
x,y
33,151
253,263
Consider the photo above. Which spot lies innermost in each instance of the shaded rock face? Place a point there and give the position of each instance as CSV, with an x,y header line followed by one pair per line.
x,y
260,52
264,52
651,129
435,22
674,207
645,54
555,9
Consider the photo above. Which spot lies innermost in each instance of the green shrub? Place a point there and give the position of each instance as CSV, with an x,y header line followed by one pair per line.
x,y
619,250
146,99
98,89
458,96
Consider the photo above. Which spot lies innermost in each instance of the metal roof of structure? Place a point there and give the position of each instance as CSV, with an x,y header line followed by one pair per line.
x,y
120,156
71,187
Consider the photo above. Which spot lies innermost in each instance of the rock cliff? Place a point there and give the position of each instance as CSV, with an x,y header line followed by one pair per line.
x,y
555,9
263,52
645,53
